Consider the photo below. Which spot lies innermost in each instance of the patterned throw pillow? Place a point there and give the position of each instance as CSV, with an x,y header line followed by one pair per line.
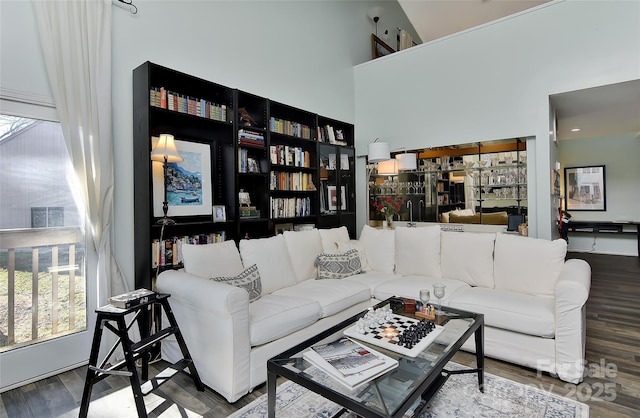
x,y
338,266
249,280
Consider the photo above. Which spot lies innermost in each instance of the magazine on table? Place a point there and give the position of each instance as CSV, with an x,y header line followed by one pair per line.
x,y
350,362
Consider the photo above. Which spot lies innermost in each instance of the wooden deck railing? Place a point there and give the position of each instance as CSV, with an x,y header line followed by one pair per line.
x,y
15,245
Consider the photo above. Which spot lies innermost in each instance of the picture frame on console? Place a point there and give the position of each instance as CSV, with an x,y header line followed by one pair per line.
x,y
584,188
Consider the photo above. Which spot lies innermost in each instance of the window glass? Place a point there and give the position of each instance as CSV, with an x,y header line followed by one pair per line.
x,y
42,286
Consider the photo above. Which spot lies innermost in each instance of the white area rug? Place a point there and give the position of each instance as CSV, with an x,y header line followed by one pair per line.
x,y
459,397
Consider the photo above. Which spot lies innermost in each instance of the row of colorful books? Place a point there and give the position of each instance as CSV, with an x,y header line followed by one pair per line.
x,y
291,181
168,252
291,156
290,207
287,127
253,138
349,362
165,99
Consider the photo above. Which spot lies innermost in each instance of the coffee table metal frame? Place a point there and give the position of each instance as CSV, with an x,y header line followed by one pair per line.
x,y
284,365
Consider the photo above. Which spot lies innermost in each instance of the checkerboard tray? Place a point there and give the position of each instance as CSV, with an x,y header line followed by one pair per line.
x,y
382,328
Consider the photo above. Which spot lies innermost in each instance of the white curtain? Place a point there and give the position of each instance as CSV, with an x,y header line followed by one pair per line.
x,y
76,44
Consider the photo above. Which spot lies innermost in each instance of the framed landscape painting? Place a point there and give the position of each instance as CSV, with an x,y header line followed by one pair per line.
x,y
584,188
188,182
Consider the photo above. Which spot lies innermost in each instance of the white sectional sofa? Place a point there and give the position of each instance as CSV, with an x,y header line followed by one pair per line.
x,y
533,300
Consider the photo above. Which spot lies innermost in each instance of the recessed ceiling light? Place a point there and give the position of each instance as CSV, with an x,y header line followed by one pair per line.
x,y
575,130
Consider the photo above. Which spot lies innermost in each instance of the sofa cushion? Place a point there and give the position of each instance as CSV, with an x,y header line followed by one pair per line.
x,y
249,280
353,244
275,316
333,295
331,236
379,246
373,279
444,218
418,251
338,266
468,256
409,287
304,247
528,265
527,314
212,260
272,258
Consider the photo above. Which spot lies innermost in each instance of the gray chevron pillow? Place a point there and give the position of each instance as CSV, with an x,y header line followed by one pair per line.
x,y
338,266
249,280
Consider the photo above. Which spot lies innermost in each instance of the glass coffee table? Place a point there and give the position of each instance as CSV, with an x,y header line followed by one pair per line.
x,y
408,386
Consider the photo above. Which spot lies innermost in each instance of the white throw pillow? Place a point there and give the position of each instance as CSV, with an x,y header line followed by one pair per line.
x,y
354,244
212,260
418,251
331,236
468,256
528,265
249,280
379,246
272,258
304,247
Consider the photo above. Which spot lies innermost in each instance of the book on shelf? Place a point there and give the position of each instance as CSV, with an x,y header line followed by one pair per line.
x,y
133,298
349,362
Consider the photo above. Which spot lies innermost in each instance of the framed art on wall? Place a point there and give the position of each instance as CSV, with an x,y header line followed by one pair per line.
x,y
379,48
584,188
188,182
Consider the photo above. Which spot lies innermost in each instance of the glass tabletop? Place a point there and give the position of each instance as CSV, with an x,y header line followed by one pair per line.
x,y
394,392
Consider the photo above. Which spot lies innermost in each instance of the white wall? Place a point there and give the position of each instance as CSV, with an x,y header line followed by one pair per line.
x,y
301,53
494,82
620,155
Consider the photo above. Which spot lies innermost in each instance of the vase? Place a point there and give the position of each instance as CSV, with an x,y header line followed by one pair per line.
x,y
388,222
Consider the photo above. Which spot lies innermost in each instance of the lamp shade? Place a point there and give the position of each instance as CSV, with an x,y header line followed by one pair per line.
x,y
166,148
407,161
378,151
388,167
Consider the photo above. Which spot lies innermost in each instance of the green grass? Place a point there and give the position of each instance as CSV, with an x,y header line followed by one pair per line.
x,y
24,306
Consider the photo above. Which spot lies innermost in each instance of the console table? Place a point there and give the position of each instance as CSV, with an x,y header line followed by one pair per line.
x,y
607,227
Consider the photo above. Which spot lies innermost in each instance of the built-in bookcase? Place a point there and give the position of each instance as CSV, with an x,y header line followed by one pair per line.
x,y
259,160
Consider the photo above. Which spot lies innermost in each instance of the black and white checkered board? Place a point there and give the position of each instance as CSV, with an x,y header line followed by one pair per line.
x,y
380,335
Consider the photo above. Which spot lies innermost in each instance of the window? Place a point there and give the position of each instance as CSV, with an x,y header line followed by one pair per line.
x,y
41,272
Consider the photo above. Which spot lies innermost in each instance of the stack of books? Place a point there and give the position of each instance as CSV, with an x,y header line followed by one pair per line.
x,y
349,362
133,298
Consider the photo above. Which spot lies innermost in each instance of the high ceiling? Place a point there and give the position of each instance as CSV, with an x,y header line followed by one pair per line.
x,y
598,111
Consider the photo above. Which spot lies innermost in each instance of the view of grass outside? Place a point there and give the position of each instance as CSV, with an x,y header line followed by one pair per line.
x,y
23,291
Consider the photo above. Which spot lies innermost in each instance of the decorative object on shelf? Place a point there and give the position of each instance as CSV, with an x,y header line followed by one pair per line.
x,y
584,188
280,228
388,206
379,48
165,151
245,118
187,181
219,213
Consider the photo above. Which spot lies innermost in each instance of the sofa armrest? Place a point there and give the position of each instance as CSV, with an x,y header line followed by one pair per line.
x,y
214,320
571,294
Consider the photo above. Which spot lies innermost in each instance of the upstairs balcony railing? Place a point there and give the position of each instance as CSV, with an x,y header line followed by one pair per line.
x,y
42,285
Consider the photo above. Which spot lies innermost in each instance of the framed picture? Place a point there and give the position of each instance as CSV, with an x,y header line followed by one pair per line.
x,y
379,48
303,227
584,188
219,213
343,198
188,182
280,228
333,197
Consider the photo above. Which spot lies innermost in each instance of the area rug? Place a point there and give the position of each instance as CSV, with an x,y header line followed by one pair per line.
x,y
458,398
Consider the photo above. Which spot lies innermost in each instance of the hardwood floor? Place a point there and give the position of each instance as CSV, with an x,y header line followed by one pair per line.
x,y
612,388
